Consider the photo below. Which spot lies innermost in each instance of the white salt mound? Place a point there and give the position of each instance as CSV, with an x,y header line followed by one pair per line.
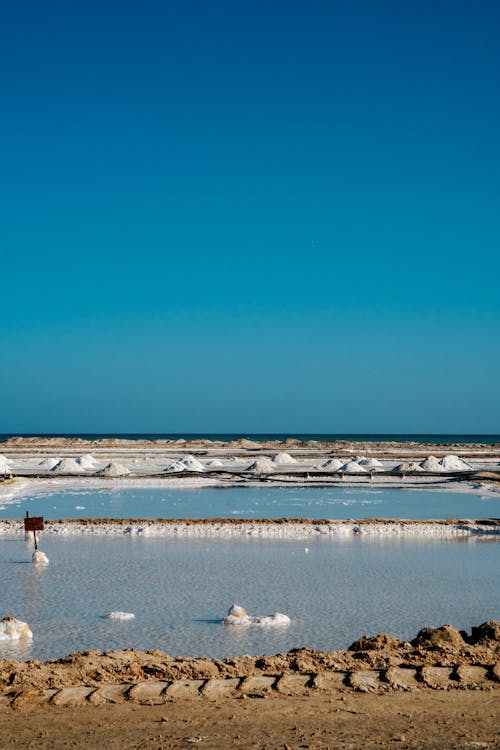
x,y
454,463
192,464
120,616
371,463
353,468
262,465
39,558
67,466
214,463
331,465
114,469
408,466
188,463
49,463
238,616
431,464
4,465
12,629
86,462
283,459
176,466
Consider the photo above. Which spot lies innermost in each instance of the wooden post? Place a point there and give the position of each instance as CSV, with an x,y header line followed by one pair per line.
x,y
33,524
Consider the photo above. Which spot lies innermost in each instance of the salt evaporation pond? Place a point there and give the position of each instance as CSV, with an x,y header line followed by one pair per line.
x,y
254,502
179,589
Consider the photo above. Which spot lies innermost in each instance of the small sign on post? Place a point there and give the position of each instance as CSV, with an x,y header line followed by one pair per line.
x,y
34,524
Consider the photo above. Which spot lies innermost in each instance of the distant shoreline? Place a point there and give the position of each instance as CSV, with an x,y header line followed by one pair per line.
x,y
417,438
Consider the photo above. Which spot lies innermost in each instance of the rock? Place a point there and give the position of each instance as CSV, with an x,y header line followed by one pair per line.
x,y
377,643
445,638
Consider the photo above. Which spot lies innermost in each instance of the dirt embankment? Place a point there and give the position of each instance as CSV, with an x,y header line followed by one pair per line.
x,y
444,646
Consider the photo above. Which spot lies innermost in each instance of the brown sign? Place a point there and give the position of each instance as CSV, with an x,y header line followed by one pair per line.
x,y
34,523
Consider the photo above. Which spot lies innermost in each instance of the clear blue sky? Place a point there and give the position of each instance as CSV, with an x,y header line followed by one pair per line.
x,y
266,216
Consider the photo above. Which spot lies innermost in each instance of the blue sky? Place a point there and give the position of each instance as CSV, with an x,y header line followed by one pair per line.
x,y
250,216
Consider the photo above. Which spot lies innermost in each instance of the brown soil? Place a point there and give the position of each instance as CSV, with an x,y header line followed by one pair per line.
x,y
444,646
465,720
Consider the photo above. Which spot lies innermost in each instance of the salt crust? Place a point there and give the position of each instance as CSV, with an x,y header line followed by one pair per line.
x,y
4,465
238,616
12,629
270,530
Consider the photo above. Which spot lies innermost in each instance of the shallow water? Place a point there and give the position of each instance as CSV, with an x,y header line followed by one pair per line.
x,y
249,502
180,588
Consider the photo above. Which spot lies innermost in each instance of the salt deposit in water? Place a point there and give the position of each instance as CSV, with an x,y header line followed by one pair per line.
x,y
176,466
120,616
352,467
454,463
262,465
39,558
238,616
114,469
4,465
432,464
67,466
12,629
283,459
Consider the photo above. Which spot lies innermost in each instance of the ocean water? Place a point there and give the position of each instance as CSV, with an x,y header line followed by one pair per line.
x,y
403,437
251,503
334,591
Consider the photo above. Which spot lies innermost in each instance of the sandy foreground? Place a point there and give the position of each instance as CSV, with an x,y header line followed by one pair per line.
x,y
439,691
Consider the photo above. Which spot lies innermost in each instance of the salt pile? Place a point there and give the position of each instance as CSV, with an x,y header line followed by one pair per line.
x,y
67,466
331,465
432,464
214,463
262,465
238,616
120,616
454,463
49,463
192,464
353,468
188,463
4,465
86,462
283,459
12,629
408,466
39,558
114,469
371,463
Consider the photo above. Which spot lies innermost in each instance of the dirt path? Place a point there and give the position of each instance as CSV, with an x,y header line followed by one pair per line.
x,y
427,719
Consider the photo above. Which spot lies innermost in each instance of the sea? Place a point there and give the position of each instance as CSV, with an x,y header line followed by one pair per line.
x,y
438,439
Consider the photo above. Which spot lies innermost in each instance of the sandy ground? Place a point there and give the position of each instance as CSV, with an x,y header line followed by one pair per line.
x,y
303,699
427,719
